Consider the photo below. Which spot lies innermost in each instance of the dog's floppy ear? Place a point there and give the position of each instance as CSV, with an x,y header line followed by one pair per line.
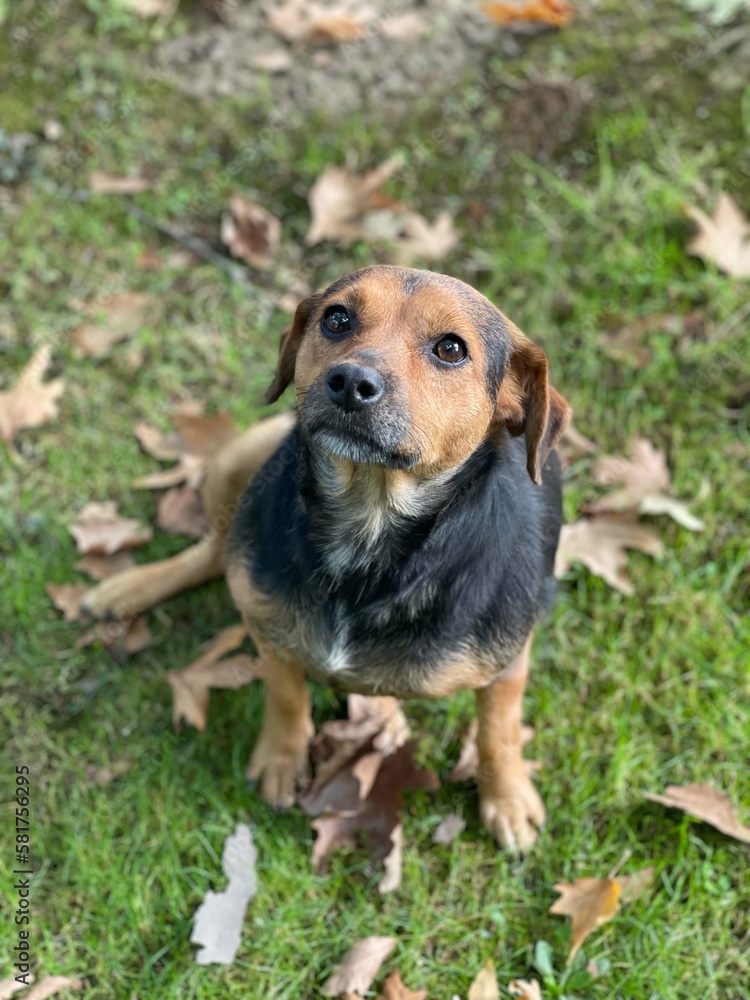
x,y
527,404
290,342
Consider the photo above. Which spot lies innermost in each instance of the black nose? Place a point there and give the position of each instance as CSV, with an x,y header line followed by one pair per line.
x,y
353,387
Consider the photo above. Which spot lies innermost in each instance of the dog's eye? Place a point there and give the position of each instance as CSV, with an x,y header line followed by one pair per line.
x,y
451,349
336,321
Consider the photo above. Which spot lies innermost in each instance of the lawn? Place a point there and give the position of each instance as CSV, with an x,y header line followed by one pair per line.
x,y
574,237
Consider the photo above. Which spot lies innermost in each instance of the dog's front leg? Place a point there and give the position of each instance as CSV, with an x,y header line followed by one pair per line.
x,y
510,806
279,759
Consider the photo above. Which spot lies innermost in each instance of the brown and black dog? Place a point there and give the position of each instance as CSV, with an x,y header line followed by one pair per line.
x,y
397,538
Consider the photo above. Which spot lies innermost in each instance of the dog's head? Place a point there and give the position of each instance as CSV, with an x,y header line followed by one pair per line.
x,y
412,370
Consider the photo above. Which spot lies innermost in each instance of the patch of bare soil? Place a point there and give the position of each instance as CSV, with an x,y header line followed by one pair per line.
x,y
404,49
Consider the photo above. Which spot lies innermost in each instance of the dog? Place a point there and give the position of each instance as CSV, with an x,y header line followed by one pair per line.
x,y
397,537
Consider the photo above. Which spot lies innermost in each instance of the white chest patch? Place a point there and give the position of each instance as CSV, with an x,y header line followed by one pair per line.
x,y
337,660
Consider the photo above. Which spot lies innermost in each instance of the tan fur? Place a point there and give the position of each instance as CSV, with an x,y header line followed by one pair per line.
x,y
510,806
279,759
136,590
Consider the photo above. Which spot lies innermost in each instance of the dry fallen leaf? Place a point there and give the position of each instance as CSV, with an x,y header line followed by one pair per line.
x,y
103,567
251,232
106,184
103,776
404,27
448,830
181,512
100,530
347,753
218,920
67,598
123,315
196,439
273,61
591,902
645,480
120,638
310,23
9,987
162,9
51,985
359,967
724,238
191,686
525,990
423,240
330,29
485,985
376,814
468,760
30,402
705,803
393,988
554,12
601,544
393,862
339,200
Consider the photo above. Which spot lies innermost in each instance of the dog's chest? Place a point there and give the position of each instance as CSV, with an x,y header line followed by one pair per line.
x,y
347,642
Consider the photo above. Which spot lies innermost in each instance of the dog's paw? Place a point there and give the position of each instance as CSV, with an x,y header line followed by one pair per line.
x,y
515,816
112,598
280,772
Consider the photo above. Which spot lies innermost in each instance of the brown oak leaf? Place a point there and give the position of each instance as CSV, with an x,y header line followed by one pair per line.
x,y
645,482
591,902
377,815
553,12
448,830
339,200
51,985
100,183
724,238
119,638
103,567
485,985
420,239
67,598
30,402
705,803
393,988
310,23
525,990
181,512
122,315
359,967
195,439
191,686
98,529
251,232
601,544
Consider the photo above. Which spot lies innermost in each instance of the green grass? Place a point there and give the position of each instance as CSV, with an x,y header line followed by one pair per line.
x,y
627,695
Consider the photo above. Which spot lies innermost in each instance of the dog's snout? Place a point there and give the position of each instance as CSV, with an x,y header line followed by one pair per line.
x,y
353,387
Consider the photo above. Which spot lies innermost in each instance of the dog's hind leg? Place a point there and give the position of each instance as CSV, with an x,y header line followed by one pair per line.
x,y
135,590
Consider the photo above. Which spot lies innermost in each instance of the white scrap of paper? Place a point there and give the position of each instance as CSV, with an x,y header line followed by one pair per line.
x,y
219,918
